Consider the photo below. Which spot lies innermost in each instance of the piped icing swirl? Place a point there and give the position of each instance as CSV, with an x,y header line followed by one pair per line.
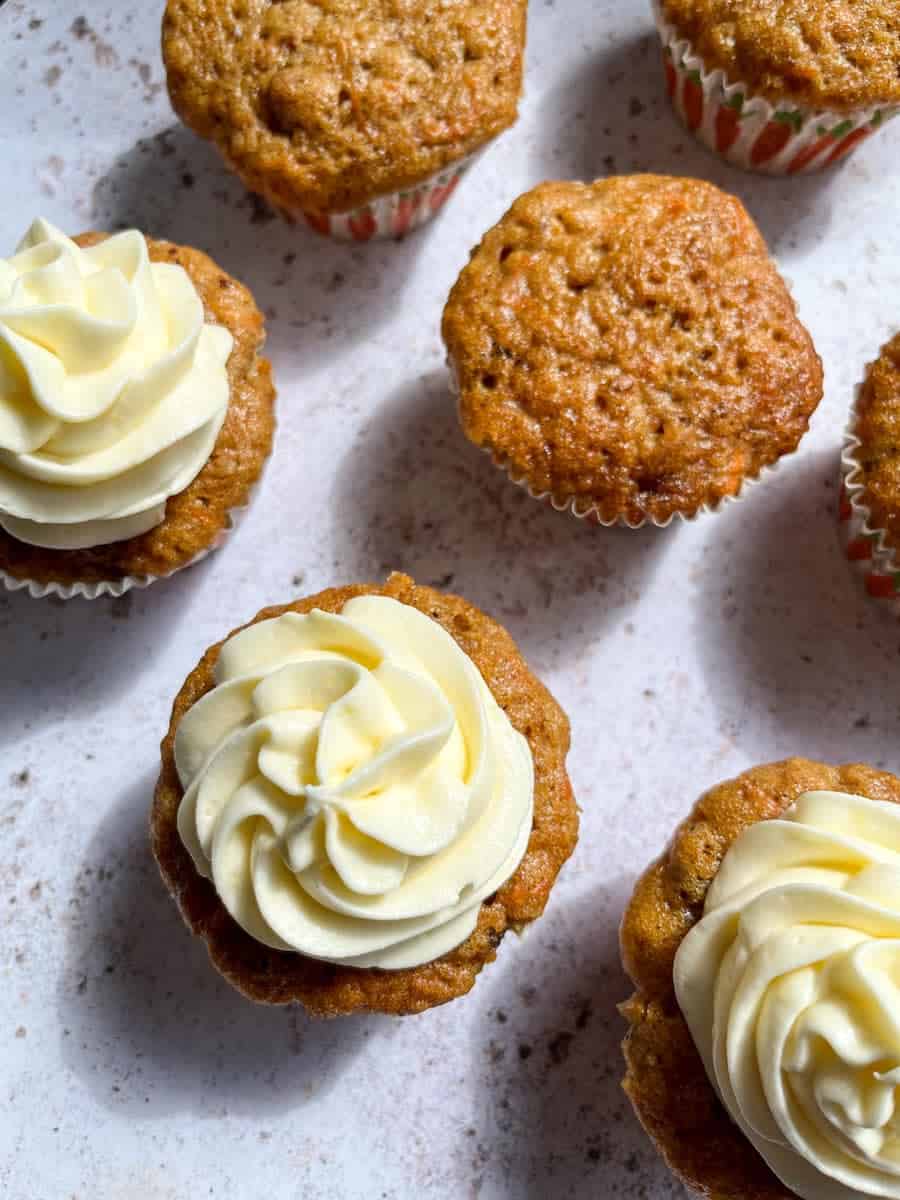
x,y
352,788
113,389
790,985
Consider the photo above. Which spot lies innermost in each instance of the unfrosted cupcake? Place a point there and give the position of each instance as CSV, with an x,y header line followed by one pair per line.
x,y
870,468
627,350
763,1050
359,117
135,411
783,87
361,792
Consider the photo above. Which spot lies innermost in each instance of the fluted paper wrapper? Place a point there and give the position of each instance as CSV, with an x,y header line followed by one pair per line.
x,y
745,128
393,215
865,545
587,510
118,587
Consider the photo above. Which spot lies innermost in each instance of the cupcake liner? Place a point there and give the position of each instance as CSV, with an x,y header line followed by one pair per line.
x,y
393,215
68,591
748,131
588,511
118,587
865,545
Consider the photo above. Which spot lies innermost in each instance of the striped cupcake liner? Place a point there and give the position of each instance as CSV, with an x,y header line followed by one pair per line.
x,y
748,131
394,215
866,546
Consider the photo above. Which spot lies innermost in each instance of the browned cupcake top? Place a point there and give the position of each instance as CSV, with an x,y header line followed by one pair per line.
x,y
322,105
276,977
630,346
666,1080
197,516
878,429
830,54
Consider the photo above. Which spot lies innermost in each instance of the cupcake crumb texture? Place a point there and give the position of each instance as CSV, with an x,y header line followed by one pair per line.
x,y
840,55
322,106
629,346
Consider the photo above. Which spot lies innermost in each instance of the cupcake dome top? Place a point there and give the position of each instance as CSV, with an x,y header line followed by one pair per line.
x,y
840,55
322,105
629,347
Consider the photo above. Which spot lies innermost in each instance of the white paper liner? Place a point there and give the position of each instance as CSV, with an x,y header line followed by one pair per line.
x,y
745,129
588,511
394,215
866,546
68,591
128,583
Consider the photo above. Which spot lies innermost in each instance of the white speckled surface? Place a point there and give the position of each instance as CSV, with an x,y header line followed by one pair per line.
x,y
130,1070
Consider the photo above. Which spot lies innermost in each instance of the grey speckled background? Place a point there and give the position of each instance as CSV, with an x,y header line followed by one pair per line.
x,y
130,1070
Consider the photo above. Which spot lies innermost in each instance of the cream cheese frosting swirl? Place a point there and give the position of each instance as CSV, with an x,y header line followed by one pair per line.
x,y
113,389
352,787
790,985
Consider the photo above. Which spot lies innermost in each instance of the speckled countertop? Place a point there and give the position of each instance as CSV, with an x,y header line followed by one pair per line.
x,y
130,1069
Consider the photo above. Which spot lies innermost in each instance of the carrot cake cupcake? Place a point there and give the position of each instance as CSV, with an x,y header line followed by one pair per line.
x,y
763,1052
870,464
627,349
135,411
359,117
782,87
361,792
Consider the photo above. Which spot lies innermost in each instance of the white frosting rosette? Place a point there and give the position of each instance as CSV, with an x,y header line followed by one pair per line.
x,y
352,788
790,985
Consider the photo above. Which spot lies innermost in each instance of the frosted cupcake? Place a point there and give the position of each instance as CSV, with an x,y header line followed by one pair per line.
x,y
135,411
763,1049
786,87
358,117
361,792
